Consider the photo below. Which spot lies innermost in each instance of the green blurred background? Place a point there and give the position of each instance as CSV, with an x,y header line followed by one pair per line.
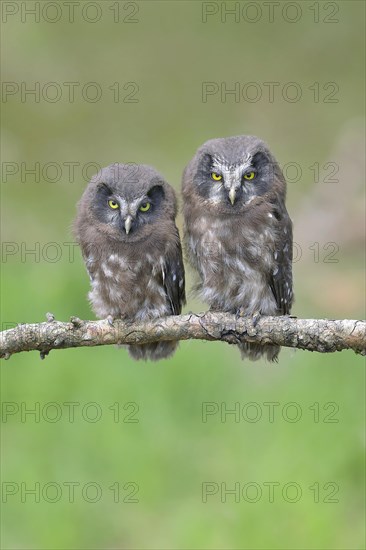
x,y
169,453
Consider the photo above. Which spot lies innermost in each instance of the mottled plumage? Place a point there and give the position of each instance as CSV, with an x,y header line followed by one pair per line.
x,y
131,247
238,234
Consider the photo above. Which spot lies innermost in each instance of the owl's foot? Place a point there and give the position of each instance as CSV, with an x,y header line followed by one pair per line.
x,y
50,317
240,313
254,317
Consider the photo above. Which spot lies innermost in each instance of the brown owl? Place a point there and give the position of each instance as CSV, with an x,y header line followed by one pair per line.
x,y
126,228
238,233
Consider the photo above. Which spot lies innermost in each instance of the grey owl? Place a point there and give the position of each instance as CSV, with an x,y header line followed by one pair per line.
x,y
238,234
126,228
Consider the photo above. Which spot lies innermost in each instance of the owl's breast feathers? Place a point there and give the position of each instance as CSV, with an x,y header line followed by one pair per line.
x,y
136,281
244,259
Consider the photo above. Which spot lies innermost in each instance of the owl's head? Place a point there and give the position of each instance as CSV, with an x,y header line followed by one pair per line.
x,y
228,173
123,201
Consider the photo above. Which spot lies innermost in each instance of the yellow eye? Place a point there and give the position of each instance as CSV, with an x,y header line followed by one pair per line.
x,y
145,207
216,177
113,204
249,176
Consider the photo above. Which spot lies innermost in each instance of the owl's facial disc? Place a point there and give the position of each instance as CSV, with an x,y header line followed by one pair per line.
x,y
125,212
232,184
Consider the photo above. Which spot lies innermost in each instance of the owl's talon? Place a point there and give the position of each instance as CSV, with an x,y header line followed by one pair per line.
x,y
255,318
110,320
240,313
43,354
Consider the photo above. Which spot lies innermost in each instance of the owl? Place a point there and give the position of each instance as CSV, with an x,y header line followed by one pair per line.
x,y
125,226
237,232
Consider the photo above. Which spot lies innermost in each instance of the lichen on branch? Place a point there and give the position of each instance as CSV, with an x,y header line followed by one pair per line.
x,y
321,335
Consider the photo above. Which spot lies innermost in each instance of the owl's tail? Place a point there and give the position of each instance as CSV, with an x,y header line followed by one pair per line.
x,y
258,351
153,352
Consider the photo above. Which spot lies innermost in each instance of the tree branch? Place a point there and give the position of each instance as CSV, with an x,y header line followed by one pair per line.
x,y
322,335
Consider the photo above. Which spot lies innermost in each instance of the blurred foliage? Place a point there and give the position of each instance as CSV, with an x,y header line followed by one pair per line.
x,y
170,452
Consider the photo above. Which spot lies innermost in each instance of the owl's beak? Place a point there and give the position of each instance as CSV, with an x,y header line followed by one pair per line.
x,y
128,223
232,195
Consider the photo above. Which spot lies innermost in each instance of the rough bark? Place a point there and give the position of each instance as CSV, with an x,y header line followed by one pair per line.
x,y
322,335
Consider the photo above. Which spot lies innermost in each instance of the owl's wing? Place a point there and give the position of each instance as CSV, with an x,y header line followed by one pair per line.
x,y
281,276
89,261
173,278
